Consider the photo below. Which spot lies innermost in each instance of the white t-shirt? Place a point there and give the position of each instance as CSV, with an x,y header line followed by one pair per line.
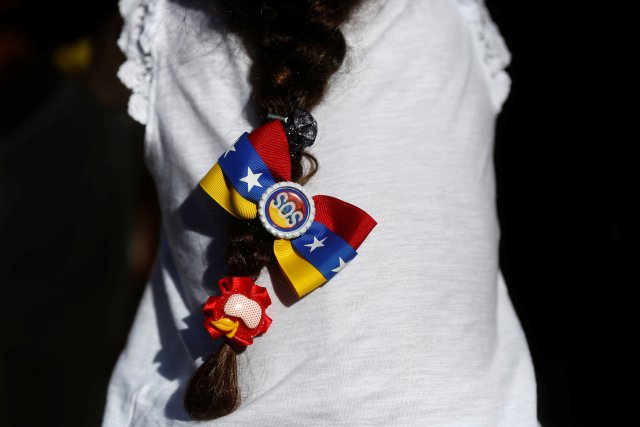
x,y
419,329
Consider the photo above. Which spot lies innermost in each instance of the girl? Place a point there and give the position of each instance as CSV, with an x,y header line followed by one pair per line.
x,y
418,329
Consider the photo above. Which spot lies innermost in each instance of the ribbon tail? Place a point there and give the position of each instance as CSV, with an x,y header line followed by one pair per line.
x,y
218,187
302,275
346,220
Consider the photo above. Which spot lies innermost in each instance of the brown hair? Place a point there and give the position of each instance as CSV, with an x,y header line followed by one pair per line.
x,y
295,46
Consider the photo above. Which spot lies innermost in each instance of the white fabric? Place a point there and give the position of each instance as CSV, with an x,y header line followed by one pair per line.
x,y
418,330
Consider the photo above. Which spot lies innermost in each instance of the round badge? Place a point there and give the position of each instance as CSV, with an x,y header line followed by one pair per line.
x,y
286,210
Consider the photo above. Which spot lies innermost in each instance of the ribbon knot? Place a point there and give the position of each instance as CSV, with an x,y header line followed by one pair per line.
x,y
316,236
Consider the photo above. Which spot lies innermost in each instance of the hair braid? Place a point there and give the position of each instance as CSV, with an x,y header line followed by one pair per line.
x,y
295,47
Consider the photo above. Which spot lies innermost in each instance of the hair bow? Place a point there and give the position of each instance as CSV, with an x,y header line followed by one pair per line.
x,y
316,236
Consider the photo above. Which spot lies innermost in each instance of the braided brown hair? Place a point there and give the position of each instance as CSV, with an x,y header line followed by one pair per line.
x,y
295,46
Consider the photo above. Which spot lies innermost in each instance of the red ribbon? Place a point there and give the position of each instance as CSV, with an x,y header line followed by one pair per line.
x,y
251,295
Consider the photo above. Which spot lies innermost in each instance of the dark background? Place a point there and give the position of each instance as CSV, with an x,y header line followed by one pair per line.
x,y
564,186
78,221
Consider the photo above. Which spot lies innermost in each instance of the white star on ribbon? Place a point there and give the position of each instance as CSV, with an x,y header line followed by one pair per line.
x,y
316,244
251,179
342,265
230,149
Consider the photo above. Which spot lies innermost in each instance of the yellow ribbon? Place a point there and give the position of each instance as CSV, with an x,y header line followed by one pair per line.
x,y
225,324
304,277
220,189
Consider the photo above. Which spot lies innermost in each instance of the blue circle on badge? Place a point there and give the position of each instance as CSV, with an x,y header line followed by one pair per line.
x,y
285,210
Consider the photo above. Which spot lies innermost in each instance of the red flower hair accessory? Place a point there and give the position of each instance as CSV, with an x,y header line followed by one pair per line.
x,y
239,312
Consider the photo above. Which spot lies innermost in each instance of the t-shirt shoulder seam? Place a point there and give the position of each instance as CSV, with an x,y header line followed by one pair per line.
x,y
136,43
491,49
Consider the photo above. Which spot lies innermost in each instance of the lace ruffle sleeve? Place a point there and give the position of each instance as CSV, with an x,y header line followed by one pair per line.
x,y
135,41
490,47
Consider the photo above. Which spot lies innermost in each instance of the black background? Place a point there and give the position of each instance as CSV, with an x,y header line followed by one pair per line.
x,y
564,197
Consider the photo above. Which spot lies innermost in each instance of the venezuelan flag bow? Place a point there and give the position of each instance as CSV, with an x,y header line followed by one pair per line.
x,y
316,236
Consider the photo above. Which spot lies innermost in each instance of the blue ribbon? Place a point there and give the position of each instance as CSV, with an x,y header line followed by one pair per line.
x,y
236,165
325,258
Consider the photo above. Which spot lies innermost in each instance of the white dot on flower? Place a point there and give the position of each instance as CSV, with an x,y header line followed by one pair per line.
x,y
247,309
